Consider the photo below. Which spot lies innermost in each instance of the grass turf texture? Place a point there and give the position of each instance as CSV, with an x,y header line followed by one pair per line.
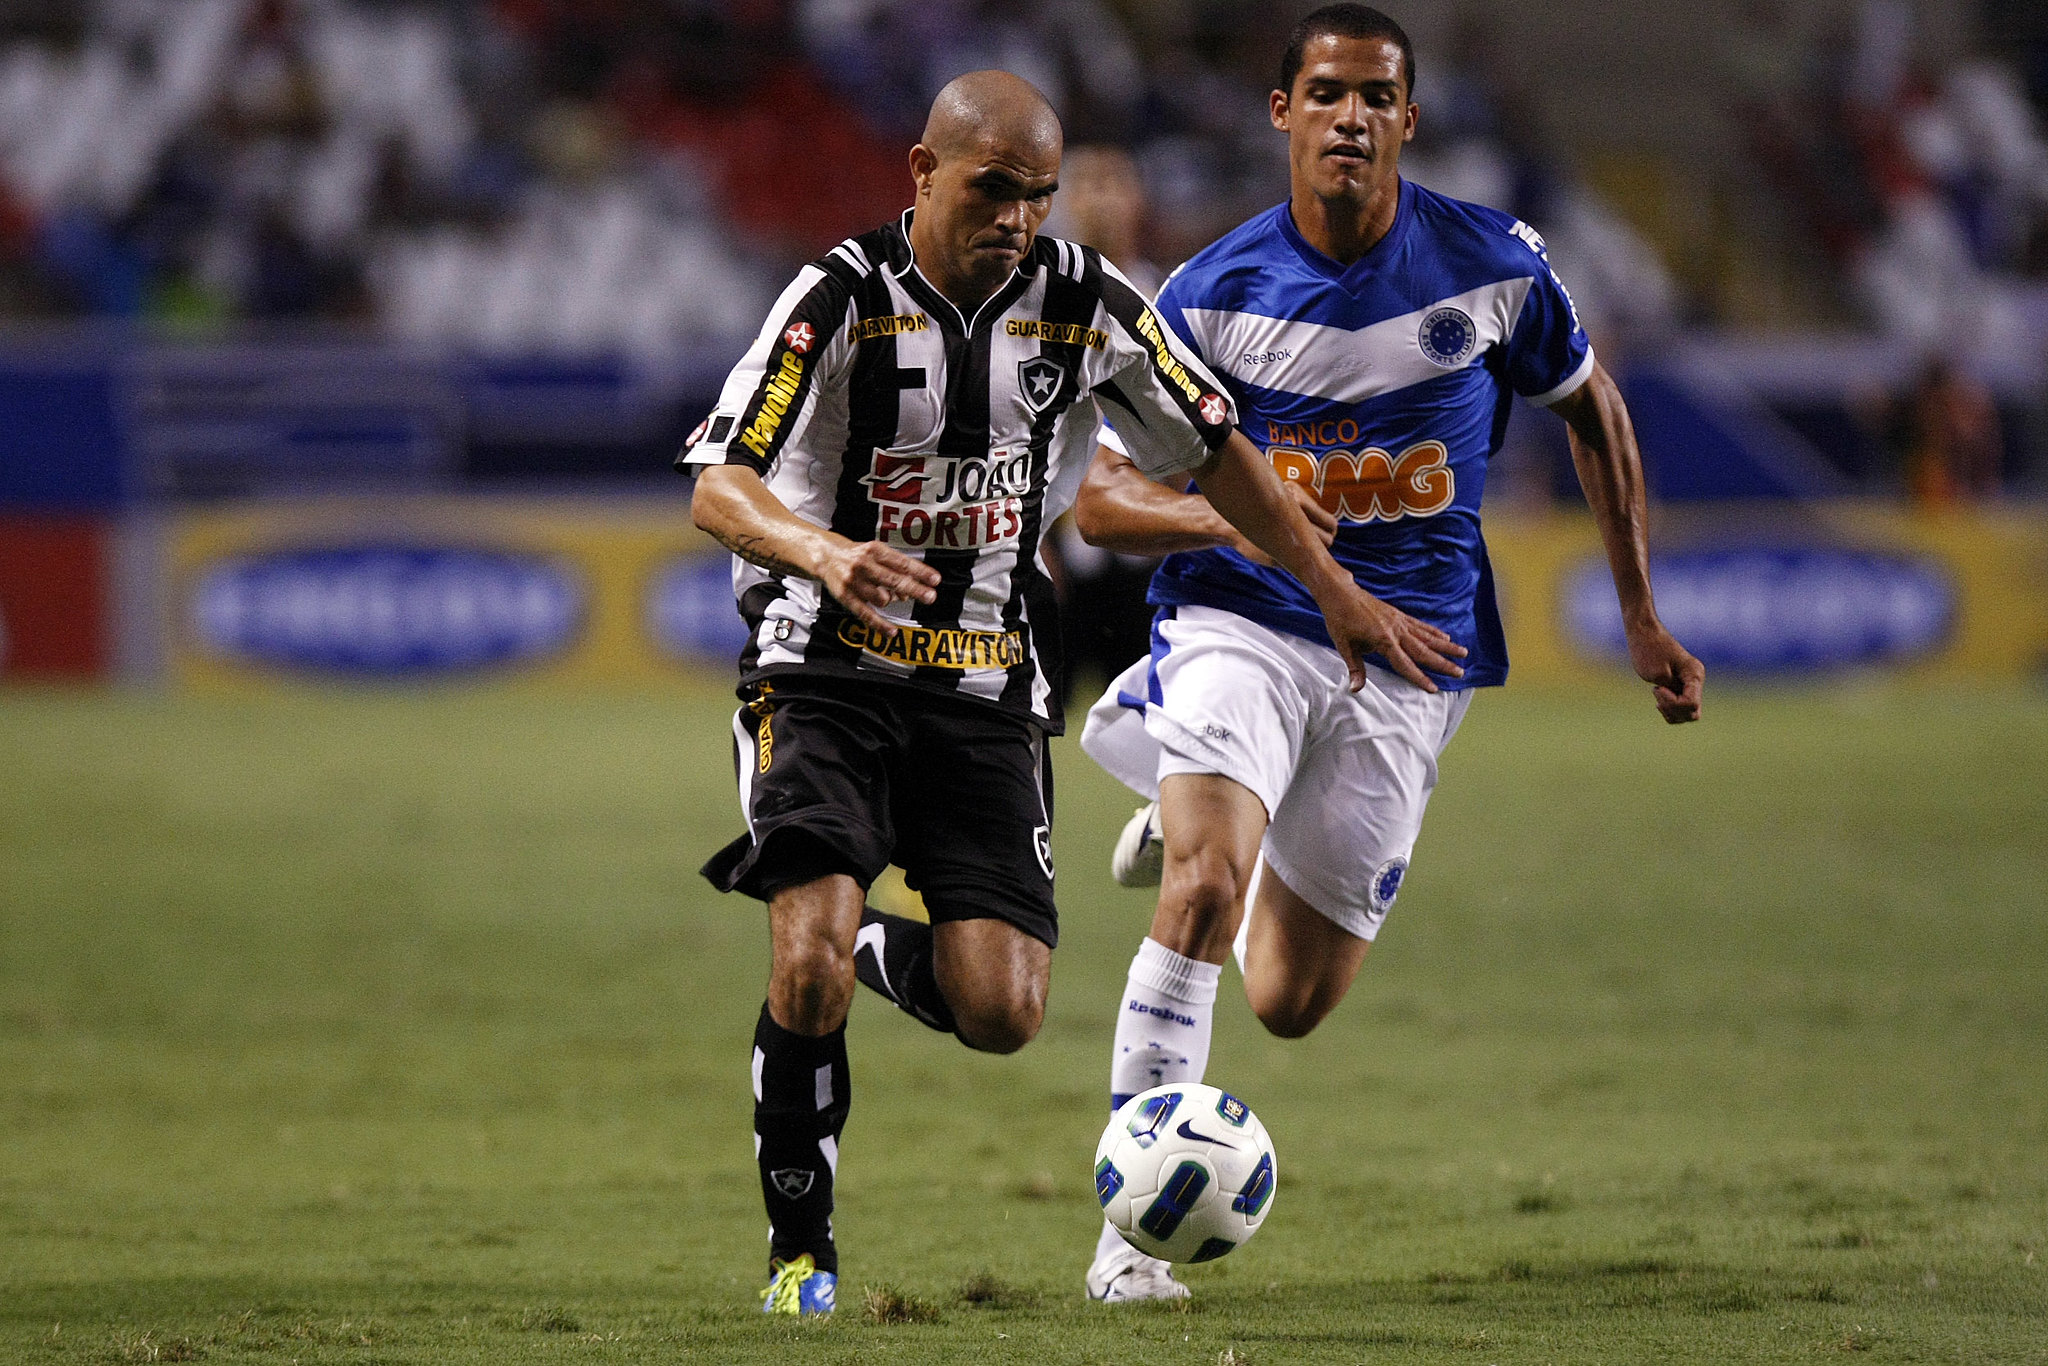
x,y
383,1029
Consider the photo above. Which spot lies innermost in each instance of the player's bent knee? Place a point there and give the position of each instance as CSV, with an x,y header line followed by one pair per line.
x,y
1001,1025
1288,1020
1207,884
1287,1014
1000,1033
811,986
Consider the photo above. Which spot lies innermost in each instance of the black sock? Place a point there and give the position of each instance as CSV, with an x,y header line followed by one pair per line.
x,y
802,1090
900,967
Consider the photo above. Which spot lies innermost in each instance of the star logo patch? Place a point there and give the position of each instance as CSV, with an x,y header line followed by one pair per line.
x,y
1213,409
799,338
1038,380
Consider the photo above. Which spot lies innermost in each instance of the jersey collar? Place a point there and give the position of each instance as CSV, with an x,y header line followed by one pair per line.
x,y
927,293
1354,276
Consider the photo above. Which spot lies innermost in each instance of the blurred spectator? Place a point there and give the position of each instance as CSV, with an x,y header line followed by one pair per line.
x,y
1928,186
1104,615
1101,204
1952,442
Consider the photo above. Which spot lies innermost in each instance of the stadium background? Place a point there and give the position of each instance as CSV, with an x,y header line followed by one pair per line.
x,y
291,276
344,346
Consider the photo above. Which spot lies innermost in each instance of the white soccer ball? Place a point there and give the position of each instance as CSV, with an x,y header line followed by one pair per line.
x,y
1185,1172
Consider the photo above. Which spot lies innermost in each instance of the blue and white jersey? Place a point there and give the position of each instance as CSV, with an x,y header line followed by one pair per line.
x,y
1384,387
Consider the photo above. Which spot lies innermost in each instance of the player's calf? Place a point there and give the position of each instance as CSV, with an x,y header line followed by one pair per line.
x,y
1298,963
811,929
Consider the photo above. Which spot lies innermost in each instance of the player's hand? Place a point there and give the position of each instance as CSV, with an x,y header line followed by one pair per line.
x,y
1360,624
1320,519
866,576
1674,676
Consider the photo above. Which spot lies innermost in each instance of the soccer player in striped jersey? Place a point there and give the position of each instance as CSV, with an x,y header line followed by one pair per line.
x,y
919,406
1372,334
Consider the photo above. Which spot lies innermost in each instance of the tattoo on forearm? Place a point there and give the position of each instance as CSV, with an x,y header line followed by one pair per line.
x,y
754,550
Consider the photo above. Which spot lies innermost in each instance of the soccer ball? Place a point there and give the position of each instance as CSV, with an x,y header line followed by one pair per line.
x,y
1185,1172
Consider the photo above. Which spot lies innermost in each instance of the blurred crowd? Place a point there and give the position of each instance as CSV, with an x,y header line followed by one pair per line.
x,y
1926,182
570,173
643,171
643,175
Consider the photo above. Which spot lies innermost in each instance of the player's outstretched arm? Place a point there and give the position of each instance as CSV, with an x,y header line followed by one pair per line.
x,y
1241,485
1610,470
1120,509
734,506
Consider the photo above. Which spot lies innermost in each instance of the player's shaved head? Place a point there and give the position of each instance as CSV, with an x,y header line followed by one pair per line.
x,y
985,170
991,107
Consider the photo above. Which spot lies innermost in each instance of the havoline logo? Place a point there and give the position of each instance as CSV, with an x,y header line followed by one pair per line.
x,y
383,610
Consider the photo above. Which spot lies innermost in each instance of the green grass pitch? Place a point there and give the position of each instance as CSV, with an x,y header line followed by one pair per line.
x,y
359,1028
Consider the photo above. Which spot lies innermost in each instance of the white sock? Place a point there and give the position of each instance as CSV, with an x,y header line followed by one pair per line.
x,y
1162,1035
1163,1023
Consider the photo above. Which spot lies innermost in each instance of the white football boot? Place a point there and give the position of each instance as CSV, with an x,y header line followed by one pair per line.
x,y
1121,1272
1139,859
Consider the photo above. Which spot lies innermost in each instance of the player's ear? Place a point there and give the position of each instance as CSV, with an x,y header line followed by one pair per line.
x,y
1277,107
1408,123
923,161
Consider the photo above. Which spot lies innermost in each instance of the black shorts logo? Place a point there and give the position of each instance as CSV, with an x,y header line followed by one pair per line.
x,y
794,1182
763,706
1041,844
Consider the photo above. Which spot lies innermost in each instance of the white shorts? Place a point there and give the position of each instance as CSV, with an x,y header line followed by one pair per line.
x,y
1344,776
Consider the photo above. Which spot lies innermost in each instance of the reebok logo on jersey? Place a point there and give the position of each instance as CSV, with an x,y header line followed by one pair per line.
x,y
1372,486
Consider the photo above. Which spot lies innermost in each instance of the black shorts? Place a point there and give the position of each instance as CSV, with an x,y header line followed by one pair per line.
x,y
847,776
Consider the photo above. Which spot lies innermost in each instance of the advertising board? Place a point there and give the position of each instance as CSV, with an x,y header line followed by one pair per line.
x,y
569,592
55,599
442,590
1784,592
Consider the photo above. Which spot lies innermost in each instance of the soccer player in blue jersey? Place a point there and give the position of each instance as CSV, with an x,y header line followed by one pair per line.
x,y
1373,334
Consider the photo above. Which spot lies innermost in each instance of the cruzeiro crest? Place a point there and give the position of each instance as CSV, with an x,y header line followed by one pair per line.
x,y
1386,883
1038,381
1447,336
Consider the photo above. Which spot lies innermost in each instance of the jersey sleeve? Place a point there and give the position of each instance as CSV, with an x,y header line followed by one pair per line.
x,y
1548,354
770,395
1169,412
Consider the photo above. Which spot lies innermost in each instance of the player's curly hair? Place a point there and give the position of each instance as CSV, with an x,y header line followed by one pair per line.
x,y
1345,21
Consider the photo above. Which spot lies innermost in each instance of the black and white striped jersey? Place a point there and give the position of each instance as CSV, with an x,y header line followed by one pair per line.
x,y
872,406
